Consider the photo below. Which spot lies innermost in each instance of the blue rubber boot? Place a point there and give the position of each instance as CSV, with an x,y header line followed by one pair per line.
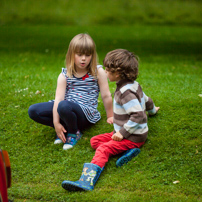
x,y
71,140
127,156
89,177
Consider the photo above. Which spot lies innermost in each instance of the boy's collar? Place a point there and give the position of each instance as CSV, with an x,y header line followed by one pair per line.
x,y
123,81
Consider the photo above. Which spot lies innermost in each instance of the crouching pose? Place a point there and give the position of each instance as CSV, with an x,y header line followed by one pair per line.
x,y
76,99
131,106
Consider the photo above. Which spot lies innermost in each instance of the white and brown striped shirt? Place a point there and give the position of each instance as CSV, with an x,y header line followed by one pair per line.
x,y
130,106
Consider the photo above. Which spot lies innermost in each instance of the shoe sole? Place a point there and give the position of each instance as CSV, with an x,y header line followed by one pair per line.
x,y
69,146
73,187
58,142
126,158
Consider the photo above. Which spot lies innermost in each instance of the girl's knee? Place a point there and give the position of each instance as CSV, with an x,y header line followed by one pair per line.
x,y
62,107
32,112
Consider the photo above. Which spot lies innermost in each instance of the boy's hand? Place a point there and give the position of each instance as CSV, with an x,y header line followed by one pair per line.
x,y
110,120
117,136
157,108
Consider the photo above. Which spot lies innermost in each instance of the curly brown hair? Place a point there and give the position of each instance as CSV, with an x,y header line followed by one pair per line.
x,y
122,61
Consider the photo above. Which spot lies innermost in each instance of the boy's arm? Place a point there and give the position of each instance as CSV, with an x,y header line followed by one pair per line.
x,y
150,106
105,94
118,136
137,116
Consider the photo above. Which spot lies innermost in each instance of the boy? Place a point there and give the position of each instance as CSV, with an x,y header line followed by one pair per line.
x,y
130,120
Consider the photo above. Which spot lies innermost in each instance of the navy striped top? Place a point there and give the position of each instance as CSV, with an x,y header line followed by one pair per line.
x,y
84,91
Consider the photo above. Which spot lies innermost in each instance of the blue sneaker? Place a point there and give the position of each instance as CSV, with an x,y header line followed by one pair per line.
x,y
71,140
127,156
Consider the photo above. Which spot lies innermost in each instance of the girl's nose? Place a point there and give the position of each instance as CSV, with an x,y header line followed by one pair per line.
x,y
83,57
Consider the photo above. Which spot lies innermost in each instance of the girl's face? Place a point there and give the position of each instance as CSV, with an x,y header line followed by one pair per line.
x,y
82,61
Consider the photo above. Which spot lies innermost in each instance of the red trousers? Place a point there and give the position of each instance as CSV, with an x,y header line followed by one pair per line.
x,y
106,147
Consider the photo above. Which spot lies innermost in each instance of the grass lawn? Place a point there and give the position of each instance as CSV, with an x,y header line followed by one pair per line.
x,y
31,58
99,12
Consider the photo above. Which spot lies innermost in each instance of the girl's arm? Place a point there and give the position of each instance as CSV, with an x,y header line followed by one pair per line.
x,y
105,94
59,96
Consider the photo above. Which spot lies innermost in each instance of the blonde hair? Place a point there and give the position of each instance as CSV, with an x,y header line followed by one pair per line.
x,y
83,44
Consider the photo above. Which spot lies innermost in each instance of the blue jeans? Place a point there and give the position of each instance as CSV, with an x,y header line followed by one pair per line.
x,y
71,115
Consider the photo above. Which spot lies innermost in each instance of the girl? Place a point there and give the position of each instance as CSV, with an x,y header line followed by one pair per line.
x,y
76,99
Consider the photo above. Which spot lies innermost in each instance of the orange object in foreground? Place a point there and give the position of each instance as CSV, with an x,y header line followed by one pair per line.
x,y
5,175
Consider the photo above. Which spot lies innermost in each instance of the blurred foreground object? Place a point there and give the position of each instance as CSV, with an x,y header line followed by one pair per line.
x,y
5,175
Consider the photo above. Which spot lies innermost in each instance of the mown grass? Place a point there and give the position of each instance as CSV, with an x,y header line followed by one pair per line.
x,y
31,58
90,12
170,54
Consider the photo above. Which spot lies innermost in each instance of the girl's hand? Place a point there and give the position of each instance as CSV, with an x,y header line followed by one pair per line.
x,y
110,120
117,136
60,130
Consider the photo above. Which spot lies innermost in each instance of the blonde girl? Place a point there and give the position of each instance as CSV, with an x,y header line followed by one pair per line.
x,y
76,98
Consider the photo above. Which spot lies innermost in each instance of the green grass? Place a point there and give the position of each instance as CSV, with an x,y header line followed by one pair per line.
x,y
31,58
166,35
90,12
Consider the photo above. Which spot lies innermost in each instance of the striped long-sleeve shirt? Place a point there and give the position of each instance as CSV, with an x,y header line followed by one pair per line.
x,y
130,106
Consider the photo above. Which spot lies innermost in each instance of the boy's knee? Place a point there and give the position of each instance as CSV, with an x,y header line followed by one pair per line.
x,y
104,149
93,142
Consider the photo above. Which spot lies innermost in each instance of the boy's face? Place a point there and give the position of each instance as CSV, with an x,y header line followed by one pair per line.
x,y
112,76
